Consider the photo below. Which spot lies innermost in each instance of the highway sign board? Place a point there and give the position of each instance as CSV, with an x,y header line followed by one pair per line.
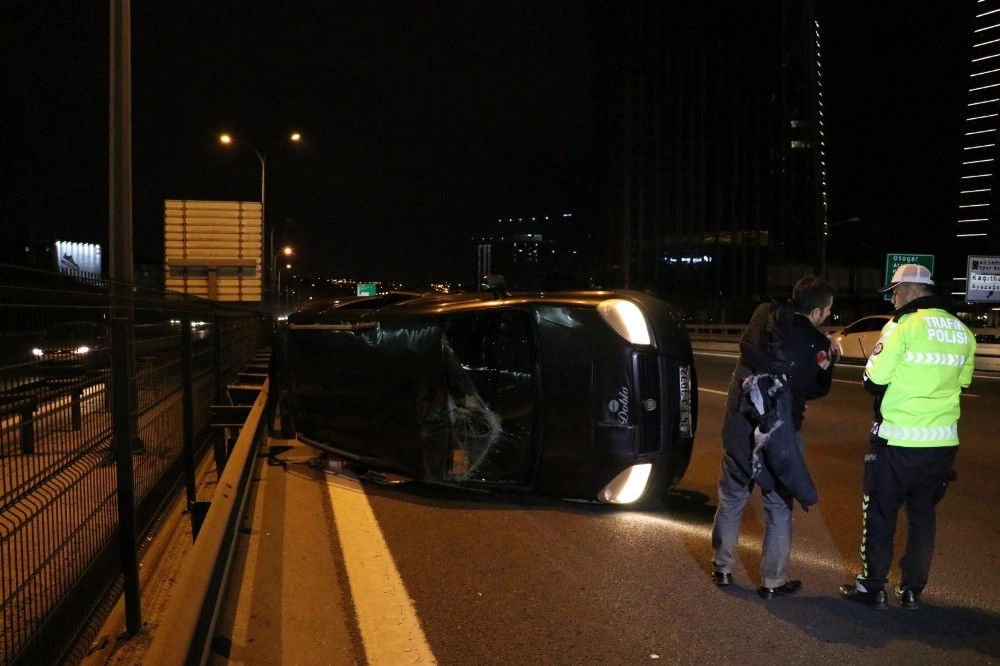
x,y
894,260
982,279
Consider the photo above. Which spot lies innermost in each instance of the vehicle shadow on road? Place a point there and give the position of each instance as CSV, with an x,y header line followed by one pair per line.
x,y
687,505
830,619
950,629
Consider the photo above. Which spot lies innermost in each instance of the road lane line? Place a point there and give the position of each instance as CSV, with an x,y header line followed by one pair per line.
x,y
965,394
387,619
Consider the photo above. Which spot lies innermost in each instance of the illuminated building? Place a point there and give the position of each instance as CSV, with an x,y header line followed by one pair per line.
x,y
976,226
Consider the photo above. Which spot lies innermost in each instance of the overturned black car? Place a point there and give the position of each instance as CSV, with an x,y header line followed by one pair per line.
x,y
586,395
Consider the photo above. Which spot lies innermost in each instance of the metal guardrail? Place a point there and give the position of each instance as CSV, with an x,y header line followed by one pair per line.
x,y
185,632
726,339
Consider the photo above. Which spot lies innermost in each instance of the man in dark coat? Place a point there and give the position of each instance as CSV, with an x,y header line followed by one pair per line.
x,y
785,360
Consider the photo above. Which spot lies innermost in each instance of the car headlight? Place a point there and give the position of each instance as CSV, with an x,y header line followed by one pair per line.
x,y
37,352
628,486
627,320
83,349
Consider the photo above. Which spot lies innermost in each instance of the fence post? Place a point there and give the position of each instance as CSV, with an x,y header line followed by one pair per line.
x,y
76,408
122,446
28,426
217,359
187,419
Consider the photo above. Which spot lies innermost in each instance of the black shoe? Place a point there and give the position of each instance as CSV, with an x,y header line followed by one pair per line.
x,y
871,598
908,597
789,587
721,578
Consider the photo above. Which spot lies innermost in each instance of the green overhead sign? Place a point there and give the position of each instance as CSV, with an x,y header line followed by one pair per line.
x,y
895,260
366,289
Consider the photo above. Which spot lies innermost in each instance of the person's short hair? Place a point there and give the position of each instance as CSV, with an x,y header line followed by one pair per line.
x,y
810,293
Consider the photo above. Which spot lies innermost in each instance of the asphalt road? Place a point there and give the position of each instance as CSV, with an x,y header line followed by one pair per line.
x,y
337,572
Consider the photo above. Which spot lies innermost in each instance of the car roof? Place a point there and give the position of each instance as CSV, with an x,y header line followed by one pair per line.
x,y
416,304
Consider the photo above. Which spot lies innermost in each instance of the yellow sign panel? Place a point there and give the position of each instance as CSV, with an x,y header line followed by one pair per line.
x,y
213,249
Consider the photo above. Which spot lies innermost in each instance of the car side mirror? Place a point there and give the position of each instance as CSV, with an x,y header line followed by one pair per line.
x,y
496,284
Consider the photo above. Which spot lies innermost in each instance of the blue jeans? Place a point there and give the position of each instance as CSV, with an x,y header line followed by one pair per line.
x,y
777,546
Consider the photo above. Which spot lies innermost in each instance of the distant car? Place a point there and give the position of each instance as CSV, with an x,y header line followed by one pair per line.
x,y
588,395
73,349
857,340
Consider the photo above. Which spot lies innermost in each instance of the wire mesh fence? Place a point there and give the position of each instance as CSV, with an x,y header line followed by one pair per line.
x,y
62,342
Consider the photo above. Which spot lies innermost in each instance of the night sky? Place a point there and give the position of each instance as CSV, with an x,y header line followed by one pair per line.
x,y
424,121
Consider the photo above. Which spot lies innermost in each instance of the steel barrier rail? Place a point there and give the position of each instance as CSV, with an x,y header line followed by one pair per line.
x,y
184,635
987,354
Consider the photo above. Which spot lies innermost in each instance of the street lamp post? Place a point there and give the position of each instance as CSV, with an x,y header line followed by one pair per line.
x,y
286,251
287,267
294,137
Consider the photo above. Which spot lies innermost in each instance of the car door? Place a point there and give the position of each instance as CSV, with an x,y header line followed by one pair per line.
x,y
870,335
858,339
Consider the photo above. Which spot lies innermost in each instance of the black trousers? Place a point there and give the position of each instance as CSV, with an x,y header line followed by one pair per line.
x,y
894,477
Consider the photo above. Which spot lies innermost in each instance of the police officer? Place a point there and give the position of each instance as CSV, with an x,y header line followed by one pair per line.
x,y
922,362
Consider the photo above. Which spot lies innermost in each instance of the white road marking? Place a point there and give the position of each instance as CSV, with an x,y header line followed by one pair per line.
x,y
386,617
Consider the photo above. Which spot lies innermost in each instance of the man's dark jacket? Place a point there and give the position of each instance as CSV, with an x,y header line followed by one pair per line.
x,y
785,345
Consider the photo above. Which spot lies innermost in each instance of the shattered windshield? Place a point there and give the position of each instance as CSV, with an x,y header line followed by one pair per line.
x,y
490,360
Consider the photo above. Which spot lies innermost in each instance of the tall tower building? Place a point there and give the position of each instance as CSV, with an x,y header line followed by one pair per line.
x,y
977,228
717,174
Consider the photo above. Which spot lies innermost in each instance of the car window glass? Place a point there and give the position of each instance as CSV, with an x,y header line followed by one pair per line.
x,y
854,328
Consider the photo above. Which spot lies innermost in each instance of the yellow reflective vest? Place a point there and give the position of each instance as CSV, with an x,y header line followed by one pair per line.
x,y
924,359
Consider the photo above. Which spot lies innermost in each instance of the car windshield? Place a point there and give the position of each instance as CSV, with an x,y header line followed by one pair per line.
x,y
490,359
72,331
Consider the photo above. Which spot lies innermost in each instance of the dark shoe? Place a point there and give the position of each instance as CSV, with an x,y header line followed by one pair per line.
x,y
790,587
721,578
871,598
908,597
